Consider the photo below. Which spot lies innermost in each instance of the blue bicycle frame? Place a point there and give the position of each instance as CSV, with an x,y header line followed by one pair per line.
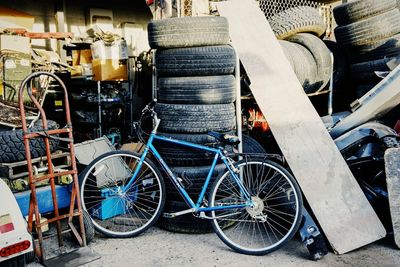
x,y
218,155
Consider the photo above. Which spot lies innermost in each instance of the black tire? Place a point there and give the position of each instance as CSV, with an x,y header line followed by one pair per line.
x,y
188,32
358,10
176,155
12,144
367,77
197,90
176,118
339,63
196,61
204,139
186,224
296,20
321,55
383,48
250,145
18,261
88,224
89,227
261,194
194,178
369,30
364,72
142,195
303,64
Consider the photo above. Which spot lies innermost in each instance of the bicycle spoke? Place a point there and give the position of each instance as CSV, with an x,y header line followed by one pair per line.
x,y
115,211
264,226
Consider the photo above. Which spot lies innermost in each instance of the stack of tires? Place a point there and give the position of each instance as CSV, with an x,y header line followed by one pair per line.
x,y
369,33
196,91
299,30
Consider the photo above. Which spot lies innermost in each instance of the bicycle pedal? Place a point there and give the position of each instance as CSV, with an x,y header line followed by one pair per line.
x,y
168,215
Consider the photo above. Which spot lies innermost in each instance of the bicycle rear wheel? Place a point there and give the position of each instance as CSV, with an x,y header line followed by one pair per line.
x,y
119,213
276,213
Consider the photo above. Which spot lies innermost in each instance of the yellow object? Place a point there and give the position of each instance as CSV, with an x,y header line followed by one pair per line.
x,y
110,70
45,227
76,71
65,179
58,103
17,18
1,88
80,57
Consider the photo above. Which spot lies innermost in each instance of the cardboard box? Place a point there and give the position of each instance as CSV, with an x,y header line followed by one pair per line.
x,y
83,56
76,54
77,70
116,50
16,67
110,70
15,43
134,147
16,19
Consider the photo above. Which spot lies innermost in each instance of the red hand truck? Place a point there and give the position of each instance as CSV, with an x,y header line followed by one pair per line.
x,y
46,134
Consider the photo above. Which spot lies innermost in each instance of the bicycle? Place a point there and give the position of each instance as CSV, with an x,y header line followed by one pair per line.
x,y
255,207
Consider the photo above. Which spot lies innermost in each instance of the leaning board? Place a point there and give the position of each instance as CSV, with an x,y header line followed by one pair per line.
x,y
337,201
392,169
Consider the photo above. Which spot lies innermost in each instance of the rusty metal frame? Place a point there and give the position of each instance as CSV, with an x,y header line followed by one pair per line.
x,y
34,216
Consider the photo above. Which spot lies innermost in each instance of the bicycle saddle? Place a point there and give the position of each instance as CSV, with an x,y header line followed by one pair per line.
x,y
227,139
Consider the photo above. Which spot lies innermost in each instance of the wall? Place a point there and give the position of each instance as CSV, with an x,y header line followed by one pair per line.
x,y
133,12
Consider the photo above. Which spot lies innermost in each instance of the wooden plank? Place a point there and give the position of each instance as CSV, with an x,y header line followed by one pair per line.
x,y
392,168
336,199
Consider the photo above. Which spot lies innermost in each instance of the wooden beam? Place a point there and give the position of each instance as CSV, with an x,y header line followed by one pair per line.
x,y
60,26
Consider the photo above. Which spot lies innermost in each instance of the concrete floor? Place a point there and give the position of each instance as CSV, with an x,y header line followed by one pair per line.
x,y
161,248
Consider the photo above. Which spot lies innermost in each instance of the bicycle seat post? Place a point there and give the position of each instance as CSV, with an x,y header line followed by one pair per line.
x,y
157,122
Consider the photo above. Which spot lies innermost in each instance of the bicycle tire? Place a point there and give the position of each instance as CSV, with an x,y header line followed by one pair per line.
x,y
269,214
115,213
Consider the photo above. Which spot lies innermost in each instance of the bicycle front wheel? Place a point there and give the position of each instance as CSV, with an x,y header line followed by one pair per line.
x,y
274,217
117,211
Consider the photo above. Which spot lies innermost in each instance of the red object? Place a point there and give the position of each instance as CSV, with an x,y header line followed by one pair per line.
x,y
149,2
5,228
397,127
75,202
40,35
14,249
257,120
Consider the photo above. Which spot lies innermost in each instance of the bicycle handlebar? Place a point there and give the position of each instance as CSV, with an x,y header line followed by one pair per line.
x,y
150,109
150,106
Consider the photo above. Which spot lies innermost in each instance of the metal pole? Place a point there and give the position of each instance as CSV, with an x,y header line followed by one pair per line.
x,y
330,98
99,107
238,104
154,77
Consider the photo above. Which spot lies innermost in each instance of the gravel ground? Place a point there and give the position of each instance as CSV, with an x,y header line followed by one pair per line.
x,y
161,248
